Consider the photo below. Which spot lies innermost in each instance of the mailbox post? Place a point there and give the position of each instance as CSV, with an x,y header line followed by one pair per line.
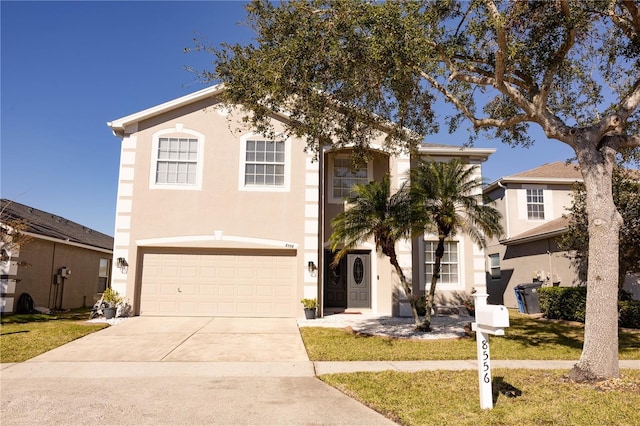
x,y
490,319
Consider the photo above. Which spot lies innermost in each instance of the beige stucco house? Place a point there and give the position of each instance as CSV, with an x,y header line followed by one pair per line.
x,y
215,219
532,204
63,265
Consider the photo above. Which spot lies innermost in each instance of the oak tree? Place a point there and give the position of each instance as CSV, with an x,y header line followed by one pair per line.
x,y
346,70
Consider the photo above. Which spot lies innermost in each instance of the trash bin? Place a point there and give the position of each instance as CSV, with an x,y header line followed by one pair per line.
x,y
519,299
529,295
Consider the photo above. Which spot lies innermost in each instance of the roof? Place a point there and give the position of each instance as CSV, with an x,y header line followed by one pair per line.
x,y
480,154
558,172
550,229
41,223
119,125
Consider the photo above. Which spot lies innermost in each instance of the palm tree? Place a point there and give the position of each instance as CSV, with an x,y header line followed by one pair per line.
x,y
449,199
374,212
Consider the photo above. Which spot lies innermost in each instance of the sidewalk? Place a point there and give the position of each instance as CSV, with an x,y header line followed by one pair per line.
x,y
332,367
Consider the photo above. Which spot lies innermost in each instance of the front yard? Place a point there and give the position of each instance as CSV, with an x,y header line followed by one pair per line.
x,y
522,397
526,338
24,336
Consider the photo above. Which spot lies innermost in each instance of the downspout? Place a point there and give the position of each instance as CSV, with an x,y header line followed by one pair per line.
x,y
321,232
53,259
506,208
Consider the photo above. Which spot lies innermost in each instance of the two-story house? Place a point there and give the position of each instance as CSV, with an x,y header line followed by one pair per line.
x,y
532,204
215,219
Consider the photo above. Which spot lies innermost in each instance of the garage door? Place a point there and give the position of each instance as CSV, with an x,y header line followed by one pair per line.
x,y
229,284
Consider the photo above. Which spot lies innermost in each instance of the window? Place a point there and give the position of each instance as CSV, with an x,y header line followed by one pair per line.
x,y
104,271
264,163
448,266
494,265
177,161
535,204
344,177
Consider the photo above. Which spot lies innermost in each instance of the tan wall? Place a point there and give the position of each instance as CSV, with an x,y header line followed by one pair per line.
x,y
44,259
558,198
219,205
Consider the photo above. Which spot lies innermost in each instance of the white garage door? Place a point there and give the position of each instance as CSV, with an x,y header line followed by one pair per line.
x,y
247,285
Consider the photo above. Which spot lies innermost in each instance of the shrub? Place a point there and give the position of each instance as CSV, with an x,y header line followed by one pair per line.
x,y
629,314
567,303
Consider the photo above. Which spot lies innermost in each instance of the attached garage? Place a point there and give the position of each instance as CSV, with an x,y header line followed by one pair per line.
x,y
240,283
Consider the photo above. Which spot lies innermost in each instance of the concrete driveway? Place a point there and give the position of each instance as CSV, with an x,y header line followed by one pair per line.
x,y
179,339
186,371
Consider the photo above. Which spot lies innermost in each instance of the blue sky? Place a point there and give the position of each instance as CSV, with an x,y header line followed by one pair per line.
x,y
67,68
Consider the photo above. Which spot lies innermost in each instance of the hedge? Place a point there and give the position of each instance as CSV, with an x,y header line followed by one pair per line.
x,y
569,303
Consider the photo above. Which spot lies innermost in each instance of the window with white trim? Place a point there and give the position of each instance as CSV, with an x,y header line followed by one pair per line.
x,y
535,204
449,265
264,163
344,176
177,161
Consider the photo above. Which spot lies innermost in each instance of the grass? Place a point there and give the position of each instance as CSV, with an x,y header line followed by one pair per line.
x,y
23,336
527,338
451,398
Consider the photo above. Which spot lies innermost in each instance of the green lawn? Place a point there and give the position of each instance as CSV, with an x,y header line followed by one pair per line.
x,y
24,336
527,338
451,397
536,397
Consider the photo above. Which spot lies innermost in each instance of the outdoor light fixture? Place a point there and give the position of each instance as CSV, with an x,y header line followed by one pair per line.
x,y
312,268
122,264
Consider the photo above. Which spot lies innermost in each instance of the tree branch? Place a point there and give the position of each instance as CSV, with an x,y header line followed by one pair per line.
x,y
503,47
558,56
477,122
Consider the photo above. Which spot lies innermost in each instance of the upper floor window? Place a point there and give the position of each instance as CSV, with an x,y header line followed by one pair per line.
x,y
264,165
535,204
449,268
344,177
177,159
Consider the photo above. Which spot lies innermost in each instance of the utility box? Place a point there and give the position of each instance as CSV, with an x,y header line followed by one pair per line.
x,y
495,316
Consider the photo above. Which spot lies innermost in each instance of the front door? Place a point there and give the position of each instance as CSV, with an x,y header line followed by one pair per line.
x,y
335,278
359,280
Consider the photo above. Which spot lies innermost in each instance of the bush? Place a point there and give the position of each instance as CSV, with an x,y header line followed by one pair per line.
x,y
567,303
629,314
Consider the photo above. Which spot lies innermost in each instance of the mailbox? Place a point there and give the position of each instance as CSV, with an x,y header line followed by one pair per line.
x,y
496,316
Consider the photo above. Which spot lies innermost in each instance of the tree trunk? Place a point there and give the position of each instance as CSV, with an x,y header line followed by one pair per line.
x,y
405,286
599,357
426,324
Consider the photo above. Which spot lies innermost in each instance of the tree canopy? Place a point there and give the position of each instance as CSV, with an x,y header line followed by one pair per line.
x,y
346,70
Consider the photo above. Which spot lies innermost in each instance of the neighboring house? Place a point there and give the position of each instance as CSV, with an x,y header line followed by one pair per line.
x,y
214,219
532,204
64,265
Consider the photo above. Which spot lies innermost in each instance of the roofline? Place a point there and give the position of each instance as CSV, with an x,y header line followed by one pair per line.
x,y
482,153
530,238
69,243
541,180
118,126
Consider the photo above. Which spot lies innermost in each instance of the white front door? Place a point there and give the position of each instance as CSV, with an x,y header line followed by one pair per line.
x,y
359,280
